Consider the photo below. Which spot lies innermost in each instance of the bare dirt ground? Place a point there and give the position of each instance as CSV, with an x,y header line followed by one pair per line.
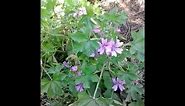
x,y
133,8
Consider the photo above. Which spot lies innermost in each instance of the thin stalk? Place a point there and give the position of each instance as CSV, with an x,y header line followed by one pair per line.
x,y
46,72
98,81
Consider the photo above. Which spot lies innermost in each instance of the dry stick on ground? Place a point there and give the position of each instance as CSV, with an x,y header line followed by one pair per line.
x,y
46,72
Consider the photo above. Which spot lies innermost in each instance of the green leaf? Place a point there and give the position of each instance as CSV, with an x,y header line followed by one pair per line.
x,y
140,56
72,89
100,61
105,101
115,97
138,44
54,89
121,57
108,93
138,103
48,48
50,4
79,37
137,89
55,69
87,68
82,95
107,80
91,102
129,76
132,50
94,78
135,92
115,17
59,76
90,46
86,84
84,80
86,21
78,47
82,101
44,85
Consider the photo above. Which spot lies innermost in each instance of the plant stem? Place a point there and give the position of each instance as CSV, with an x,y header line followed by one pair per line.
x,y
99,81
46,72
110,70
112,94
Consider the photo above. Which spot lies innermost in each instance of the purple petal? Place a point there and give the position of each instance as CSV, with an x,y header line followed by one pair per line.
x,y
113,53
108,49
115,87
118,30
121,87
114,80
118,43
96,30
66,64
120,81
74,68
101,50
119,50
111,42
104,41
79,87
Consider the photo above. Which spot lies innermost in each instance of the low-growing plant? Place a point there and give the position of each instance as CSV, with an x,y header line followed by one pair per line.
x,y
83,61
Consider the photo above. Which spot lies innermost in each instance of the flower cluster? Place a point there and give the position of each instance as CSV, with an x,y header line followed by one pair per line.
x,y
72,68
79,87
111,48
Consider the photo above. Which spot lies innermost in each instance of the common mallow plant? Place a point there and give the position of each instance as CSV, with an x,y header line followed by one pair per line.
x,y
86,59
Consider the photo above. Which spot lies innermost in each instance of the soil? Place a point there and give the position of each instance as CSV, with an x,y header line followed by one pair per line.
x,y
133,8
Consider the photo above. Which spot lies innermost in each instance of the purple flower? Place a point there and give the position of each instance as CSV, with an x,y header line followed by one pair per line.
x,y
79,87
118,84
115,48
104,46
74,68
66,64
96,30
